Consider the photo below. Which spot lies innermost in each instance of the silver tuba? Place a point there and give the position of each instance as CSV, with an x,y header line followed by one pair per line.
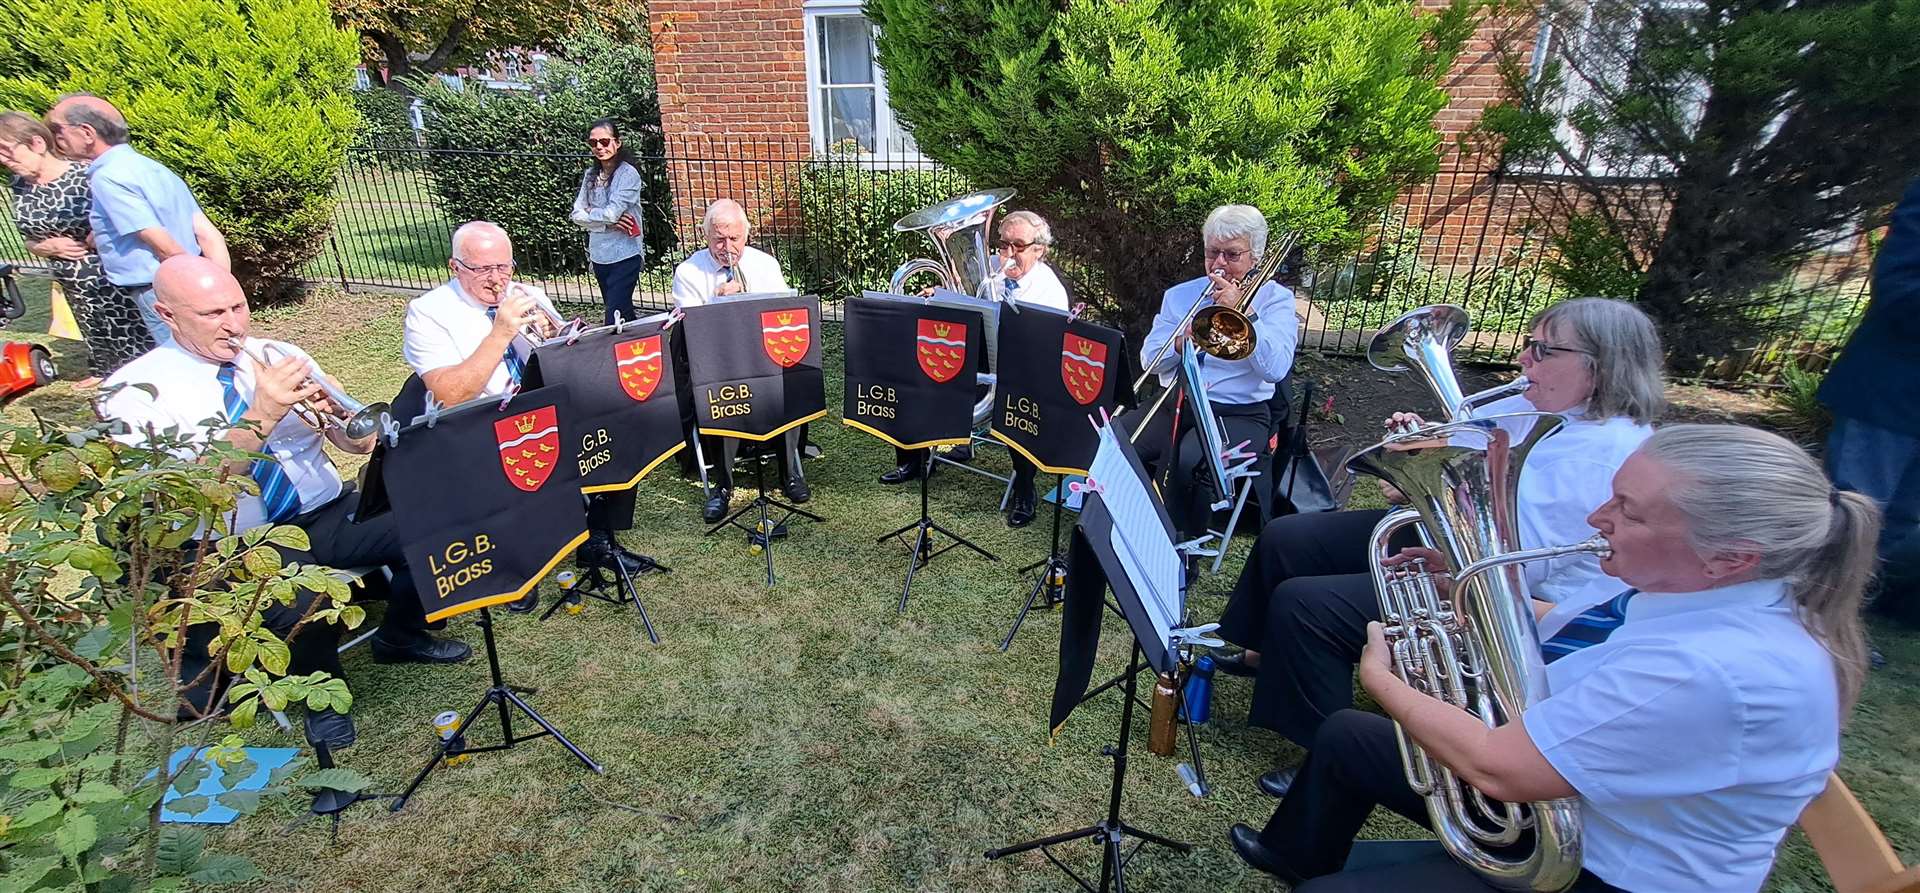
x,y
962,233
1422,340
1475,646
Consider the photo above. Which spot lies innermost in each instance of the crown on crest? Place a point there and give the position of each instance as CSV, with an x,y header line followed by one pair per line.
x,y
940,329
1083,346
785,317
525,423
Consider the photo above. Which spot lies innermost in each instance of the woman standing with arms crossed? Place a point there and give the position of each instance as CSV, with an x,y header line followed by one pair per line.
x,y
608,208
51,198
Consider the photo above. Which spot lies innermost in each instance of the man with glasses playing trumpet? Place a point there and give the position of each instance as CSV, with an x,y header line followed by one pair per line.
x,y
1235,240
255,393
472,338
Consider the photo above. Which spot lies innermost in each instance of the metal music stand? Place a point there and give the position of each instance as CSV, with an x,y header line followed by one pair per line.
x,y
765,530
922,550
599,578
1053,569
504,696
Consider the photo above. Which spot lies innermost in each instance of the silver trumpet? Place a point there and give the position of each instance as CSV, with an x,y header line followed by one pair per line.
x,y
354,418
1475,644
531,331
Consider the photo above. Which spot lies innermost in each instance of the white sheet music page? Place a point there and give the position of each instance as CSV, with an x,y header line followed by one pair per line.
x,y
1138,537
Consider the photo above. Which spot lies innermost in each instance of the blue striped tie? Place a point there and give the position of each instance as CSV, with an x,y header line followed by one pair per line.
x,y
1592,627
281,501
1013,285
514,365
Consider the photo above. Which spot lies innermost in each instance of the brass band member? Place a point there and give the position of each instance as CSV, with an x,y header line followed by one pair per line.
x,y
1698,687
1235,238
729,266
1304,599
467,339
205,384
1025,239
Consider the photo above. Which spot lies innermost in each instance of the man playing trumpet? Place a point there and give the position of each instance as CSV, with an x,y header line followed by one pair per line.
x,y
211,371
473,336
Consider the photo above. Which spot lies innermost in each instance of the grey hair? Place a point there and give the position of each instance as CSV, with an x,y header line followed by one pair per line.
x,y
472,228
1042,230
109,125
1625,358
1742,489
1234,221
719,207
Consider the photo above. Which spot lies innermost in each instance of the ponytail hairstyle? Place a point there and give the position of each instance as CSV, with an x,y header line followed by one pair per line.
x,y
1746,490
623,156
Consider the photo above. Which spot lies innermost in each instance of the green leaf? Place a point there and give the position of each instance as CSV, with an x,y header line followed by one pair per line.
x,y
194,804
30,751
25,874
220,868
36,812
242,802
36,777
290,537
338,779
191,775
178,849
97,792
243,715
77,834
273,653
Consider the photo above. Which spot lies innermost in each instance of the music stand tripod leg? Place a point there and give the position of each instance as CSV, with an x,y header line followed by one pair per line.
x,y
1052,568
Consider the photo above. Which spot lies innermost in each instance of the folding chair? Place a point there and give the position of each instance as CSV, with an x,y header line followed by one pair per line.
x,y
1851,846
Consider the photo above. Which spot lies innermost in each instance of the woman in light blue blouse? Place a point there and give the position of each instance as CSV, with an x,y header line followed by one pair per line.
x,y
608,208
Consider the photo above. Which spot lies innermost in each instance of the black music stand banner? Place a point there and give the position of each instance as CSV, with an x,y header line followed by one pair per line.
x,y
755,365
487,499
1053,373
911,371
623,399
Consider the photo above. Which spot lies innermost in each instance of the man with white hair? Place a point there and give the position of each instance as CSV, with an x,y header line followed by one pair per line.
x,y
729,266
468,339
1025,239
1234,238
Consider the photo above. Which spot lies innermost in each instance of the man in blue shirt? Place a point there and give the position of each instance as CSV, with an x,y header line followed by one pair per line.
x,y
142,212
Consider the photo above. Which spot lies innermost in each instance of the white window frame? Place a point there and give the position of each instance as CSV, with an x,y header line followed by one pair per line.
x,y
1576,90
884,125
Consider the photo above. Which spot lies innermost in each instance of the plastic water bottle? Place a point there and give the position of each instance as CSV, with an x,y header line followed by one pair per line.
x,y
1198,698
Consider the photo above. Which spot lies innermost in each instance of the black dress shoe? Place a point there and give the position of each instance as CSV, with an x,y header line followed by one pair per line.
x,y
961,453
1246,842
1235,665
717,506
329,727
902,474
422,649
1279,781
602,552
525,604
797,491
1020,510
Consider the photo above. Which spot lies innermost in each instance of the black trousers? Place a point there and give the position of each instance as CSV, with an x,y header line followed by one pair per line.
x,y
335,541
1189,488
616,285
1353,767
612,510
1303,601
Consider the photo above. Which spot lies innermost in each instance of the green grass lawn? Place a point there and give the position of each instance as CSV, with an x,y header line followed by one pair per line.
x,y
806,737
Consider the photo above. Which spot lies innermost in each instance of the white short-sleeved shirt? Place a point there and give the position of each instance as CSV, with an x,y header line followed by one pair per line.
x,y
1695,734
698,278
1567,475
1251,380
446,325
1041,287
190,398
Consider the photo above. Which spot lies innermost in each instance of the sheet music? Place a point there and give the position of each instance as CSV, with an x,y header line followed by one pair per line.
x,y
1138,537
1212,435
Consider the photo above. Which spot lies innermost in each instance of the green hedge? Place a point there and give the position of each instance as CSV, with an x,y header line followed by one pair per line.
x,y
848,210
247,102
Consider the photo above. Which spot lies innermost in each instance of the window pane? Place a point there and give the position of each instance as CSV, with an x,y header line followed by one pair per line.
x,y
846,45
850,115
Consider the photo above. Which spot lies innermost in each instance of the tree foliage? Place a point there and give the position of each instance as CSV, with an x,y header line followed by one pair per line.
x,y
516,158
408,37
1707,148
1127,121
98,584
246,101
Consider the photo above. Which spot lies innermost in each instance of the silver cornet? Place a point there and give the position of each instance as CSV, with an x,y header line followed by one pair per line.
x,y
531,331
354,418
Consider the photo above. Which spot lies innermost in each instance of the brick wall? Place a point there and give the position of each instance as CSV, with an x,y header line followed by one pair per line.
x,y
733,98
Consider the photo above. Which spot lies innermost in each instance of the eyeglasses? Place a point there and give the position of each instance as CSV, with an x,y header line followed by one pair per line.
x,y
597,142
487,269
1232,257
1013,246
1542,351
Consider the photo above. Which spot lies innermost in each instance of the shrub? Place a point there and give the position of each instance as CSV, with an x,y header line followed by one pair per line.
x,y
849,210
247,102
516,158
385,118
94,581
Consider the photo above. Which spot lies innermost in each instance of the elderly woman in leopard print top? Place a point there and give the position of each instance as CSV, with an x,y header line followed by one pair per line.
x,y
51,198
